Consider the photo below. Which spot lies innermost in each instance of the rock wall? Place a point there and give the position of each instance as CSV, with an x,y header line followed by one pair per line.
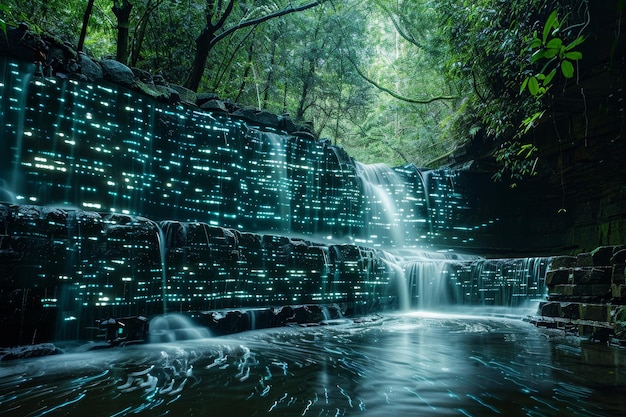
x,y
587,294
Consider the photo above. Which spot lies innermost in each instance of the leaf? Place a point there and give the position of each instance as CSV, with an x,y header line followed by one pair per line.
x,y
528,148
549,77
533,86
549,25
537,56
574,55
554,43
550,53
524,84
575,43
567,69
535,43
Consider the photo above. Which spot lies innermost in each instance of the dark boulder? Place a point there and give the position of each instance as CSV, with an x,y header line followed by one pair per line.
x,y
186,95
214,106
117,73
90,68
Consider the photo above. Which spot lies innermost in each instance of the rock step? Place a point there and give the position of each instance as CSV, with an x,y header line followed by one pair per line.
x,y
596,276
598,321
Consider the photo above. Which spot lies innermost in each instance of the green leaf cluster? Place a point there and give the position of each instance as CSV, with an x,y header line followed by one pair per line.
x,y
518,161
557,54
3,25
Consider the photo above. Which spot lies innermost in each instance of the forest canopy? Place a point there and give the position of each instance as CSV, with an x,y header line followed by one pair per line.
x,y
393,81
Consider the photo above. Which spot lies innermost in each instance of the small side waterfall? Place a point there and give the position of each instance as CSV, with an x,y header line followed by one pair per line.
x,y
383,211
162,254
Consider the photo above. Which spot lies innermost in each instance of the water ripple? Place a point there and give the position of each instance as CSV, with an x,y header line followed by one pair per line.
x,y
406,366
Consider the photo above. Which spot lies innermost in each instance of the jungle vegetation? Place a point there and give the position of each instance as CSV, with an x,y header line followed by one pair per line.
x,y
393,81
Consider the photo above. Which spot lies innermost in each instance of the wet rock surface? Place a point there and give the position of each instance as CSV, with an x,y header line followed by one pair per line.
x,y
587,294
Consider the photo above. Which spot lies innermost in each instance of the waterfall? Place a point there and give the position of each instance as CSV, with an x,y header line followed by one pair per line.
x,y
427,277
17,77
246,215
141,157
428,284
382,212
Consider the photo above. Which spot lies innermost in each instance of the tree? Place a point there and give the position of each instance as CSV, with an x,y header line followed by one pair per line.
x,y
217,13
122,9
503,70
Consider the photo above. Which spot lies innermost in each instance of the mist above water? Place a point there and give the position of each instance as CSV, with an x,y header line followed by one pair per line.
x,y
175,328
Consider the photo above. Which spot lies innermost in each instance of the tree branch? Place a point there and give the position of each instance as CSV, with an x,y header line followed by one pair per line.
x,y
396,95
403,33
288,10
229,9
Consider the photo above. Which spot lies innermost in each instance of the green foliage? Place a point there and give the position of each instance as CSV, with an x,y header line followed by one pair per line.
x,y
62,19
484,38
503,59
498,50
3,25
555,52
407,57
297,65
518,161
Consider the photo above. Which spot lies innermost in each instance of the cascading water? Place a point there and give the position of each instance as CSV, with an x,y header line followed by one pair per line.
x,y
162,255
383,211
428,283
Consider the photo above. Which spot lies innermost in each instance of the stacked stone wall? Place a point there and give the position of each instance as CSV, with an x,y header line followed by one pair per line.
x,y
587,294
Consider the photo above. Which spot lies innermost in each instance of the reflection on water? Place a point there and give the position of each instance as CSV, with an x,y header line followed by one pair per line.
x,y
399,365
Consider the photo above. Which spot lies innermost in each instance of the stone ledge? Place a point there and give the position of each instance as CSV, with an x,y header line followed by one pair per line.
x,y
597,321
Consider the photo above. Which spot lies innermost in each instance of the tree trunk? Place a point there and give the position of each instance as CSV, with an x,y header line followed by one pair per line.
x,y
83,30
307,84
140,32
122,12
246,72
203,47
270,72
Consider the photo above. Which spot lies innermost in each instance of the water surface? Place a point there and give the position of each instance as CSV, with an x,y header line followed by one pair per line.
x,y
397,365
